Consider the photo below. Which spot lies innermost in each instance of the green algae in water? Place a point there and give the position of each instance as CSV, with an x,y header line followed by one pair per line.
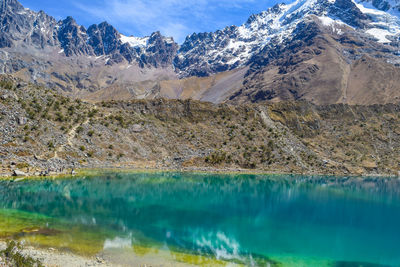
x,y
210,219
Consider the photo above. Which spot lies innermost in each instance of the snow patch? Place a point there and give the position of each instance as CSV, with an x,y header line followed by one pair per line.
x,y
383,24
135,41
380,34
369,10
235,45
22,12
169,40
329,22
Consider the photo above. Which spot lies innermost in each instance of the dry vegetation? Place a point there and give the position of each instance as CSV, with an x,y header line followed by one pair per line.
x,y
42,130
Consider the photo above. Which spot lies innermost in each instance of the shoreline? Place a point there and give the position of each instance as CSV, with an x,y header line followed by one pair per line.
x,y
53,257
93,171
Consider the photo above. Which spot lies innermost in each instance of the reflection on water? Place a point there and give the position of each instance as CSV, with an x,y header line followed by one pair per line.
x,y
118,242
195,218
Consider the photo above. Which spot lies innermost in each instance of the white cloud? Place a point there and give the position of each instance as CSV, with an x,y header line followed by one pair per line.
x,y
175,18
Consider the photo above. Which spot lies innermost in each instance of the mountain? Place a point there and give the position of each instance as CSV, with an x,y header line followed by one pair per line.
x,y
68,57
323,51
23,27
234,46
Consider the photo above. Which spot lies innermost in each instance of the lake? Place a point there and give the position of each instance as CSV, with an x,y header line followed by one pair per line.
x,y
209,219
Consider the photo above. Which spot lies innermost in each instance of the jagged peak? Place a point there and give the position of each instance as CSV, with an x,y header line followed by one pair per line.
x,y
69,20
275,9
10,5
158,36
104,27
105,24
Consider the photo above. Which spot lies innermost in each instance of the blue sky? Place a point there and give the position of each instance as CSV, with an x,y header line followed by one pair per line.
x,y
176,18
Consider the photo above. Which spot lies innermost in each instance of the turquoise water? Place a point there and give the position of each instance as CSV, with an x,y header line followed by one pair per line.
x,y
248,219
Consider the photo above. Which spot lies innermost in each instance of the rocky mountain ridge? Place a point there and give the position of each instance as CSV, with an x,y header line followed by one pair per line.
x,y
232,63
21,25
222,50
236,46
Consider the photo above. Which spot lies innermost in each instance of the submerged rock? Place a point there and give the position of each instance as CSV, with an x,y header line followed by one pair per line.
x,y
37,231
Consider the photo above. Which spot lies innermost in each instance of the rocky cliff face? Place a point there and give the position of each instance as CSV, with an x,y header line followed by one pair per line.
x,y
104,39
159,51
72,38
20,25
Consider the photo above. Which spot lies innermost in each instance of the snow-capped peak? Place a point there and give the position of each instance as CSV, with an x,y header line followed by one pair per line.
x,y
234,46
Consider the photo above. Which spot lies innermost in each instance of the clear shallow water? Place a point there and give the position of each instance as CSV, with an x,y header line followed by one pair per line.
x,y
247,219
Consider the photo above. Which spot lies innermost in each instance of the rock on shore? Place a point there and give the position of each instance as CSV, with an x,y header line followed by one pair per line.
x,y
54,258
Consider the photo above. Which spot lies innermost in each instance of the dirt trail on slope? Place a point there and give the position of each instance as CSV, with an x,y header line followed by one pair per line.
x,y
70,135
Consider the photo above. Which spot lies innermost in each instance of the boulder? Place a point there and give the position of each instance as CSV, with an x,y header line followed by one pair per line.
x,y
22,120
9,96
19,173
136,128
44,173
